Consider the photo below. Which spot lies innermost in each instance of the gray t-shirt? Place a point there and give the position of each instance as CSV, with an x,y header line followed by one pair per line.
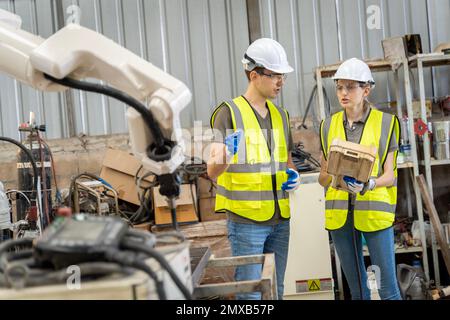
x,y
354,132
222,122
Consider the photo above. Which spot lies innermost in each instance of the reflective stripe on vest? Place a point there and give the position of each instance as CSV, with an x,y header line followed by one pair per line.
x,y
252,182
376,209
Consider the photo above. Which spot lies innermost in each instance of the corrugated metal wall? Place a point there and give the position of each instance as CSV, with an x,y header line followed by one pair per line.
x,y
198,41
201,42
16,100
327,31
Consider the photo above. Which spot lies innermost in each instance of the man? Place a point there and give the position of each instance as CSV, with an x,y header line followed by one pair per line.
x,y
253,163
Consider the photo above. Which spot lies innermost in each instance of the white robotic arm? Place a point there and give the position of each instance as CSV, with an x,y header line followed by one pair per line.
x,y
76,52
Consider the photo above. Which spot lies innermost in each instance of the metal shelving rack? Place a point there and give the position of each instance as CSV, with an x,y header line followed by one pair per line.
x,y
379,66
420,61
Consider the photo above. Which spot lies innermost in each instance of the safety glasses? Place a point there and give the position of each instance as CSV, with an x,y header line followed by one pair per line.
x,y
349,88
274,76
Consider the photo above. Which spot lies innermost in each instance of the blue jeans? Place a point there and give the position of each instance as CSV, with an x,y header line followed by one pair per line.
x,y
250,239
382,255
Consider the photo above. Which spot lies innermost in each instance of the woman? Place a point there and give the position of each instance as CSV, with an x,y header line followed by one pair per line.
x,y
367,208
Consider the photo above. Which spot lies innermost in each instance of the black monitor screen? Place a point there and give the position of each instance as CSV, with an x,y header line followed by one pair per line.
x,y
81,230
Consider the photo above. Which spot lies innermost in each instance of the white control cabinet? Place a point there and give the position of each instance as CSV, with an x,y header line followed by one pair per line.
x,y
308,273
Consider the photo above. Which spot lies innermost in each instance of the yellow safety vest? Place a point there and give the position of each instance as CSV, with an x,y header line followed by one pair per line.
x,y
252,183
375,210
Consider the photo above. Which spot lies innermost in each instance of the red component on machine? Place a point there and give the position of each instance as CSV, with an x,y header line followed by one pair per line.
x,y
64,212
420,127
32,215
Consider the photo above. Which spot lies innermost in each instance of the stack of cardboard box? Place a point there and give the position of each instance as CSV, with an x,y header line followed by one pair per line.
x,y
119,169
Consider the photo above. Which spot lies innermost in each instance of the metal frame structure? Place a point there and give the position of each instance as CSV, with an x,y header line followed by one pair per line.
x,y
420,61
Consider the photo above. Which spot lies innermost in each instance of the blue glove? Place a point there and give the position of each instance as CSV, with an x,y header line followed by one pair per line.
x,y
355,186
232,142
292,182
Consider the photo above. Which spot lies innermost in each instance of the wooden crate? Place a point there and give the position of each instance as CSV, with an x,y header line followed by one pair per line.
x,y
351,159
267,284
212,234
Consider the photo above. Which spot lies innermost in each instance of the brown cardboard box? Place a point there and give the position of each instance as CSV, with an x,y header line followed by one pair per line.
x,y
416,106
143,226
205,188
185,207
394,49
350,159
119,168
185,214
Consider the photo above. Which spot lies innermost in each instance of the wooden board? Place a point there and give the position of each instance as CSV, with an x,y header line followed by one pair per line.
x,y
435,222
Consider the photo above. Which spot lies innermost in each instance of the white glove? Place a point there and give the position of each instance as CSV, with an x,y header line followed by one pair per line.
x,y
369,186
355,186
292,182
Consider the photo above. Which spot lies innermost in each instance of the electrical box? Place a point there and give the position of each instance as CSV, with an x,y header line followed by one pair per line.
x,y
309,274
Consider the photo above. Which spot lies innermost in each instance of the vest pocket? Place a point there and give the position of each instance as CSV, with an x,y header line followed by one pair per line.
x,y
246,190
246,182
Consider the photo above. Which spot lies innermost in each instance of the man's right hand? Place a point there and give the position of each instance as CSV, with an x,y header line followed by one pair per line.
x,y
232,142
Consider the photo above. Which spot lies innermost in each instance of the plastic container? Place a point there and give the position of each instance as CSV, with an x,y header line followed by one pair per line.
x,y
350,159
405,150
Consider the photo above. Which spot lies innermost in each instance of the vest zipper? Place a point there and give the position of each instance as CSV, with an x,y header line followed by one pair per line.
x,y
274,182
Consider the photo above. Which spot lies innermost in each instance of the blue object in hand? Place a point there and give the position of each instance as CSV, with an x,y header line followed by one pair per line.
x,y
353,185
232,142
292,182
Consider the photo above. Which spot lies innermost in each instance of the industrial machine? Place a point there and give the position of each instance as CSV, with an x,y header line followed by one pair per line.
x,y
55,64
100,249
31,225
155,100
309,273
94,196
42,156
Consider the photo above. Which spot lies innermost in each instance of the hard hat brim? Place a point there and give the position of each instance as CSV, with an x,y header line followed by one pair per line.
x,y
287,69
372,82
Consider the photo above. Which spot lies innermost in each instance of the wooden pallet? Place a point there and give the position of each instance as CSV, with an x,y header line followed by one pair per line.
x,y
267,284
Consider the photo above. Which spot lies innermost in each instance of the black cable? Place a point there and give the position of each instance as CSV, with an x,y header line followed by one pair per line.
x,y
43,181
41,277
30,156
173,214
141,265
173,234
145,200
309,105
130,258
299,156
58,193
163,146
355,247
133,245
10,244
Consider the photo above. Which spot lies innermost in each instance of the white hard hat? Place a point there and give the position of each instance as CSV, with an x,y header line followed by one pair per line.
x,y
266,53
354,69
